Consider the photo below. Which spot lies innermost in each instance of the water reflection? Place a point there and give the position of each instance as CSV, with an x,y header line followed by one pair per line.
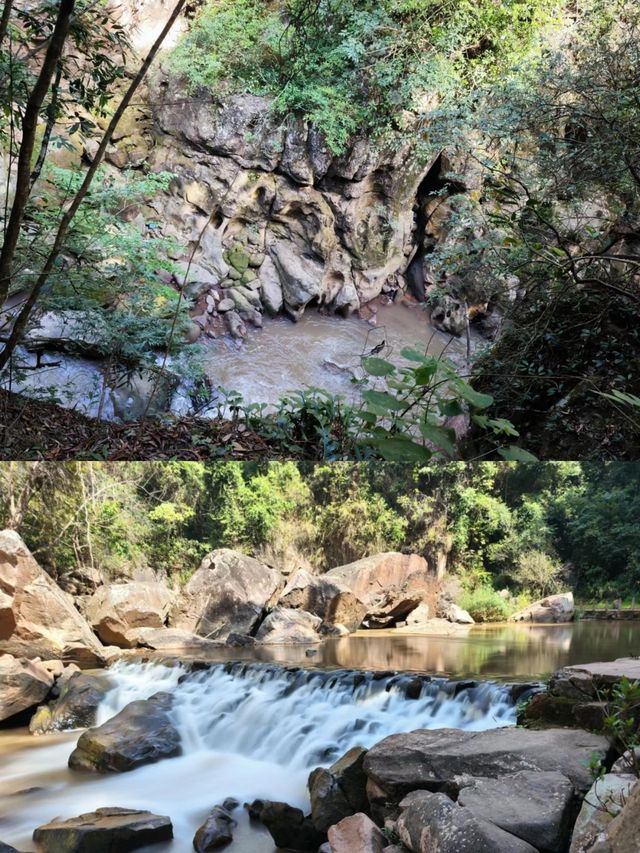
x,y
509,651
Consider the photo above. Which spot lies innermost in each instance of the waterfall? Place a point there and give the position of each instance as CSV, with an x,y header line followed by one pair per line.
x,y
247,730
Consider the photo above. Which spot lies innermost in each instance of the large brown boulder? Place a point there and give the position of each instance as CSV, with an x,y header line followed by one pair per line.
x,y
390,585
103,831
118,611
228,594
434,760
328,598
140,734
23,684
38,619
553,608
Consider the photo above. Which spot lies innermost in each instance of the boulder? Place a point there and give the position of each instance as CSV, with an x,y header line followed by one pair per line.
x,y
390,585
70,331
117,611
284,625
434,760
289,827
419,617
330,599
624,830
103,831
270,287
6,848
140,734
447,609
38,619
75,707
227,594
23,684
432,822
604,801
338,791
535,806
215,832
553,608
356,833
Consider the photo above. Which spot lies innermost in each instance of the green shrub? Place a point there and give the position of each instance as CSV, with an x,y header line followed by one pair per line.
x,y
485,605
348,65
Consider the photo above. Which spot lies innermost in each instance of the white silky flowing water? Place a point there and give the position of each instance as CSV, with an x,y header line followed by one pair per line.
x,y
247,730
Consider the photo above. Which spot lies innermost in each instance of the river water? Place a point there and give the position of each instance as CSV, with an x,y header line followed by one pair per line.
x,y
255,729
247,731
318,351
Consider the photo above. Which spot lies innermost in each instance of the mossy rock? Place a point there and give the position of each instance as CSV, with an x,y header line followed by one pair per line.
x,y
238,258
545,710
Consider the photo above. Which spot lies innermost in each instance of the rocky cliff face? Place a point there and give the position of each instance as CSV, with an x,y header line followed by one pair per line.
x,y
277,215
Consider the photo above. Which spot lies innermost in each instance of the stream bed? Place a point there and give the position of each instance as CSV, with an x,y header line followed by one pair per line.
x,y
318,351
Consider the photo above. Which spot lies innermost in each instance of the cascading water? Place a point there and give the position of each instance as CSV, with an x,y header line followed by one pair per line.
x,y
247,731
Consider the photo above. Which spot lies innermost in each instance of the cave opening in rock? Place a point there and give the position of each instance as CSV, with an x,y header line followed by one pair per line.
x,y
434,189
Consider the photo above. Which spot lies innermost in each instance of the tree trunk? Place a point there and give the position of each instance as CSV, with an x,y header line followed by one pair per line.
x,y
67,219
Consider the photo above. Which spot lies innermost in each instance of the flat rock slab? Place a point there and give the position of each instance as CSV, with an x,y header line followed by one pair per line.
x,y
433,759
610,671
535,806
104,831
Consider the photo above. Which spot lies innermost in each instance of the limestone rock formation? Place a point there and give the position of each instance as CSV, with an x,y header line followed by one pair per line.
x,y
104,830
23,684
117,611
329,230
229,593
140,734
38,619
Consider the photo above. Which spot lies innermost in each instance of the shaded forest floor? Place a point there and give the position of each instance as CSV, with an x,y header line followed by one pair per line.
x,y
31,429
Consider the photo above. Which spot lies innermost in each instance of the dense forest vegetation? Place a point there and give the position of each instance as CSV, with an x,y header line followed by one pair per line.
x,y
542,228
529,527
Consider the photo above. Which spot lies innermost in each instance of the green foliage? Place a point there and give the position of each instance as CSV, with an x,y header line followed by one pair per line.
x,y
551,238
110,269
355,65
486,605
538,572
622,721
488,523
